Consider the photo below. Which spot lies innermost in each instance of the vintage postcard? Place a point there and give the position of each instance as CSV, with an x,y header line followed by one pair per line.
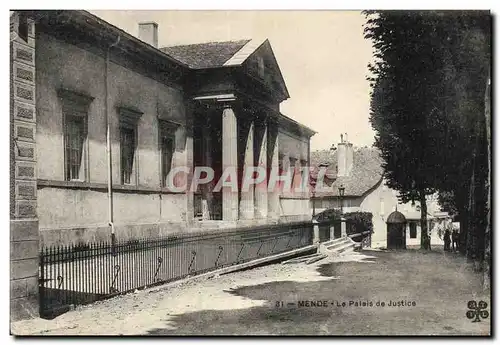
x,y
319,173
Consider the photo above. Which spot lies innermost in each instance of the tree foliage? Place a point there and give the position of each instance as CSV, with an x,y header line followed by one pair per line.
x,y
428,83
357,222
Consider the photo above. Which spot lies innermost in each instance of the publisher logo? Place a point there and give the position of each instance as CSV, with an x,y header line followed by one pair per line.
x,y
477,311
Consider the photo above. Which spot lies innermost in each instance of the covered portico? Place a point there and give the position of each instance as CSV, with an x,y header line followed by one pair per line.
x,y
235,91
232,135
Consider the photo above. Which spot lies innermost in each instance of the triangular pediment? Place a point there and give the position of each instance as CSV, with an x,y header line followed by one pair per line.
x,y
258,60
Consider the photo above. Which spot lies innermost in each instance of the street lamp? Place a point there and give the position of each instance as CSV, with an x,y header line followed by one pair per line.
x,y
341,196
313,185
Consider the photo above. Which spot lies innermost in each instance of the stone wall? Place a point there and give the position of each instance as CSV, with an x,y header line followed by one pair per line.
x,y
75,212
23,194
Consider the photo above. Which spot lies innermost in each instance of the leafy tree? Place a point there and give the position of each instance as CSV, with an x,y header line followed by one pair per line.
x,y
447,203
428,85
405,82
487,235
466,51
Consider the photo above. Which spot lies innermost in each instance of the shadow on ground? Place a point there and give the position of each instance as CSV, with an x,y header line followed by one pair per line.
x,y
432,288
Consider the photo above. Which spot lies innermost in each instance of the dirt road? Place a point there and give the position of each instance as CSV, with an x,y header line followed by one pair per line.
x,y
423,294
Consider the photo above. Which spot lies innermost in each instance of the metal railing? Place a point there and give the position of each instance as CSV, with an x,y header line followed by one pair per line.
x,y
364,238
73,275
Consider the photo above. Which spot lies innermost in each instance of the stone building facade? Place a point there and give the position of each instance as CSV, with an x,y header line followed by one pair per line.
x,y
99,118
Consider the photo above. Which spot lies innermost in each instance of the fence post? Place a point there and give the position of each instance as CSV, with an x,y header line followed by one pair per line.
x,y
315,231
41,284
332,232
343,229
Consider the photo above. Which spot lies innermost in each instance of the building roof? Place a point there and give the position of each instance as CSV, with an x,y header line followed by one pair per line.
x,y
205,55
367,172
167,59
65,20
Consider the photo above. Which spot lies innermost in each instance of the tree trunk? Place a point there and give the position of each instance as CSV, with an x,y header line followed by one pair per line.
x,y
461,202
464,229
487,233
425,241
470,245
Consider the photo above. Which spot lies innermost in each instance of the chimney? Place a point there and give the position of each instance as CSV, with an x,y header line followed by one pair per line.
x,y
148,32
345,156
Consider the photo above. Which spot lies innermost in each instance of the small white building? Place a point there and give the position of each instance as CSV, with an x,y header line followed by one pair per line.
x,y
359,171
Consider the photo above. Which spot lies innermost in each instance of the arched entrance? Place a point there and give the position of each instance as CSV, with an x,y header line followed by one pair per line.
x,y
396,231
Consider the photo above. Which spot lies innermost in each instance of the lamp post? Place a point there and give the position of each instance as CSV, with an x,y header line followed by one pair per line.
x,y
341,197
314,204
313,185
343,230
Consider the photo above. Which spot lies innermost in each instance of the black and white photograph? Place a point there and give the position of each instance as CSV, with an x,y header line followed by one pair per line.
x,y
258,172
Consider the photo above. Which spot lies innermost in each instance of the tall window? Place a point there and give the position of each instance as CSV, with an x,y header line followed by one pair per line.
x,y
128,145
167,152
167,148
75,137
75,110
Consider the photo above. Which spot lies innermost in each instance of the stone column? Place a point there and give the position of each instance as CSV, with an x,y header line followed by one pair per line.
x,y
24,233
189,161
206,202
343,229
273,196
286,166
229,161
315,232
247,196
261,161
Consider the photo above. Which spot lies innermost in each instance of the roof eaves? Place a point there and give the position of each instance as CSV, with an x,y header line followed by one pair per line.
x,y
241,55
309,131
279,70
372,188
88,15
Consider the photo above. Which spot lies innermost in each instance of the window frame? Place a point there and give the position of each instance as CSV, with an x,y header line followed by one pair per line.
x,y
166,131
75,105
133,168
129,120
414,232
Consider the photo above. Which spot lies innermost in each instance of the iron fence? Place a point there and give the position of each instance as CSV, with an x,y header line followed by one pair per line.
x,y
325,233
81,274
364,238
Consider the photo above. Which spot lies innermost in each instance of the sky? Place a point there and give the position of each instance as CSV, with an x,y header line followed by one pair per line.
x,y
322,55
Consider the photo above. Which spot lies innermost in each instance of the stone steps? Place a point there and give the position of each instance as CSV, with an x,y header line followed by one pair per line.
x,y
308,259
338,246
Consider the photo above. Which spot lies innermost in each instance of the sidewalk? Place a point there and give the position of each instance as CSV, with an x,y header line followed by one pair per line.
x,y
246,302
